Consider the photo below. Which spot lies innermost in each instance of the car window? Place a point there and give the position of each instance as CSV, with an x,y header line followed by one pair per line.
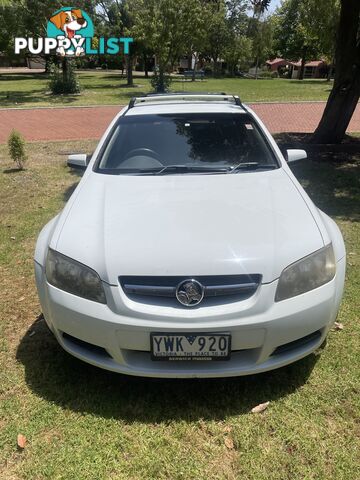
x,y
144,142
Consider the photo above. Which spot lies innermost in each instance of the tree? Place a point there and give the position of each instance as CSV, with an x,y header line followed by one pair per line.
x,y
259,6
163,26
260,31
8,23
345,94
261,35
194,30
218,33
16,145
238,54
321,18
293,38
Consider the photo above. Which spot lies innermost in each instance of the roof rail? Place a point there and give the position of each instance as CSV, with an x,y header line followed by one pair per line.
x,y
184,96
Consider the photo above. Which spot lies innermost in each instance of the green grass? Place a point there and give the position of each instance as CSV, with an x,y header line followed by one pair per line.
x,y
84,423
107,88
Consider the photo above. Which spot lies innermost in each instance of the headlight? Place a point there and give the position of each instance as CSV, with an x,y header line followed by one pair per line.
x,y
73,277
306,274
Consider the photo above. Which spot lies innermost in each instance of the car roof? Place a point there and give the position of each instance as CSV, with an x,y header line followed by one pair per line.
x,y
185,102
188,107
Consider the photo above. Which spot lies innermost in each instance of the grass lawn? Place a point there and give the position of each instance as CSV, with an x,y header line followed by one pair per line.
x,y
84,423
107,88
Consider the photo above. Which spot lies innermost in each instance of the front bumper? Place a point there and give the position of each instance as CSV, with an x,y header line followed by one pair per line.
x,y
262,338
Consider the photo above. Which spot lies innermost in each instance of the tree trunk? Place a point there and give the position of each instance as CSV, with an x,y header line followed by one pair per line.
x,y
330,70
129,72
146,70
216,65
64,68
329,73
189,61
303,61
160,87
194,69
345,94
338,112
256,67
47,64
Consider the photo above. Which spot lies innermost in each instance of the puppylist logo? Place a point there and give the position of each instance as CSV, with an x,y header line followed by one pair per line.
x,y
70,32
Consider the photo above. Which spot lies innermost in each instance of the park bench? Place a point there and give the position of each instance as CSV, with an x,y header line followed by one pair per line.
x,y
199,75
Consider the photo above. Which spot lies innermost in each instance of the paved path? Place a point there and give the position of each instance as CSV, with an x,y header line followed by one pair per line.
x,y
74,123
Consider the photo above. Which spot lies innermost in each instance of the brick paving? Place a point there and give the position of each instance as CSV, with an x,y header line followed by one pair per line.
x,y
73,123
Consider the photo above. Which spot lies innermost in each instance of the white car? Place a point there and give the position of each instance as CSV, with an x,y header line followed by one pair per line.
x,y
189,249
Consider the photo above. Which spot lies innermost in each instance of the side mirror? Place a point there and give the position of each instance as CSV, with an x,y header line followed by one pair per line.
x,y
78,161
294,155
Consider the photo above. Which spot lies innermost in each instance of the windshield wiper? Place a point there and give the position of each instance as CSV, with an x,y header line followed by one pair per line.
x,y
251,166
184,169
169,169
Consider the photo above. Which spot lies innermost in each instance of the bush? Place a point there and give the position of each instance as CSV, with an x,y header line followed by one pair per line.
x,y
160,85
267,74
64,81
16,144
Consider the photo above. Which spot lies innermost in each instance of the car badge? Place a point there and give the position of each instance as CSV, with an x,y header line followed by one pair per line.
x,y
190,292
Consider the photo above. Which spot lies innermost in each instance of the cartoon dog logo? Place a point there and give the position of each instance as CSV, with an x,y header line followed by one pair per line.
x,y
70,22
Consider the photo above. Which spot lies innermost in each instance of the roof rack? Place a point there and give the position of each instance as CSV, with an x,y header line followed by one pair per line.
x,y
184,96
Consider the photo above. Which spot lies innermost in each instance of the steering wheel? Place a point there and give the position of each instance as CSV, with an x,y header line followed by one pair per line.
x,y
138,152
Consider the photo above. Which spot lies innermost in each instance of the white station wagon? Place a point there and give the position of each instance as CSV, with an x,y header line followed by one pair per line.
x,y
189,249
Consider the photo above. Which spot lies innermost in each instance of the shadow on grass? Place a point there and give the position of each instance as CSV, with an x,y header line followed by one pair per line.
x,y
112,86
13,170
14,97
72,384
330,176
30,77
320,81
117,77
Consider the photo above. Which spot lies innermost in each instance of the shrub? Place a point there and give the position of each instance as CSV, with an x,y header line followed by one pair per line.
x,y
16,144
266,74
65,80
160,83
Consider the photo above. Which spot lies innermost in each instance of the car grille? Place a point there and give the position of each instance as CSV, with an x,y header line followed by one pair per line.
x,y
217,288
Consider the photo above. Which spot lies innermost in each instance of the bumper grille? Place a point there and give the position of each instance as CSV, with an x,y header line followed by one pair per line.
x,y
162,290
299,343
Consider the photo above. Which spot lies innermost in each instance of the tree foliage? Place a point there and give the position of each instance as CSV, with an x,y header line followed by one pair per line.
x,y
294,39
306,29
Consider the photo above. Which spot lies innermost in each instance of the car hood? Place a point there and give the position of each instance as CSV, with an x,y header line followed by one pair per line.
x,y
252,222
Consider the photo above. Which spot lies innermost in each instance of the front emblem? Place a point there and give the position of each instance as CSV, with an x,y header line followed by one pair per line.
x,y
190,292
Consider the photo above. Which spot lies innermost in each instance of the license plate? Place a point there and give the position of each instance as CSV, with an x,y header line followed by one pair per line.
x,y
190,346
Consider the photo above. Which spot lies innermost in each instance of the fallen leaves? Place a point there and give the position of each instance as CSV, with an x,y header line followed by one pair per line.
x,y
229,443
21,441
338,326
227,428
260,408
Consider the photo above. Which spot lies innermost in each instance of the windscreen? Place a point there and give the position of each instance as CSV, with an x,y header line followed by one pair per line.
x,y
146,143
